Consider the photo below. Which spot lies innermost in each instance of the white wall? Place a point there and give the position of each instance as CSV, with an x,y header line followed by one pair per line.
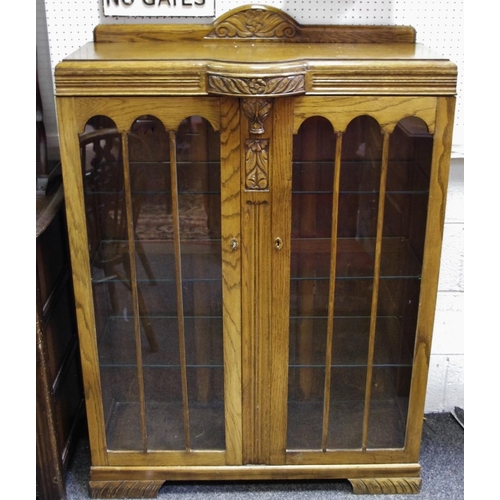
x,y
446,376
63,26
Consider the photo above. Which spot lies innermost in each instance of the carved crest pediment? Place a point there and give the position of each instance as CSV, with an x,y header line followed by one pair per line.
x,y
255,22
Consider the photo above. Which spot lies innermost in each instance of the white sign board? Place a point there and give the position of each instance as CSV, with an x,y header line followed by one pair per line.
x,y
159,8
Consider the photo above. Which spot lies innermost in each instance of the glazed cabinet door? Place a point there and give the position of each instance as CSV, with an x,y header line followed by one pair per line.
x,y
154,222
359,254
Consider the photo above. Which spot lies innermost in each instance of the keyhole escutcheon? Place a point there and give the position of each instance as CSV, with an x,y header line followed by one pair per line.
x,y
278,243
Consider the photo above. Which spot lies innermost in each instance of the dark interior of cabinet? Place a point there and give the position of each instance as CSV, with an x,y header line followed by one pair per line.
x,y
350,227
153,218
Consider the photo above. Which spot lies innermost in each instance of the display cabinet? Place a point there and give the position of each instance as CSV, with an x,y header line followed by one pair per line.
x,y
255,212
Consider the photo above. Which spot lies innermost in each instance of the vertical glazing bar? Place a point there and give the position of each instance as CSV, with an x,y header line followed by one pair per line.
x,y
133,287
376,276
178,279
331,292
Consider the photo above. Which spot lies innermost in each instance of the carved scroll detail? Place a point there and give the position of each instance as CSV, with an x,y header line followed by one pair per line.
x,y
386,486
256,164
255,23
257,110
125,489
239,86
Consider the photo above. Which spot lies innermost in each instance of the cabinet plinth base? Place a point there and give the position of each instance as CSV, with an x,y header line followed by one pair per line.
x,y
386,486
145,482
125,489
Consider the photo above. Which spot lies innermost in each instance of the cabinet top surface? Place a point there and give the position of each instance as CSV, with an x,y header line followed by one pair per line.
x,y
258,52
254,42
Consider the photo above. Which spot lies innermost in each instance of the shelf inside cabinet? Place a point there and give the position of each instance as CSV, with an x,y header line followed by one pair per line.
x,y
404,177
156,260
117,345
345,427
165,426
350,342
355,258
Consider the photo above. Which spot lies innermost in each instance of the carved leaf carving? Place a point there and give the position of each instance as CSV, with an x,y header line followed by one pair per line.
x,y
255,23
257,111
386,486
256,163
125,489
277,85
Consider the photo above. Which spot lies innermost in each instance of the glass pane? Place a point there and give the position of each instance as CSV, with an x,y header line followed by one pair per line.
x,y
312,203
146,385
152,213
198,189
357,231
313,214
198,158
405,216
102,169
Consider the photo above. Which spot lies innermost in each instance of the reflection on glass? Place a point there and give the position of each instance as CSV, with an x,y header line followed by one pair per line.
x,y
405,214
366,402
201,256
355,265
312,186
158,312
102,169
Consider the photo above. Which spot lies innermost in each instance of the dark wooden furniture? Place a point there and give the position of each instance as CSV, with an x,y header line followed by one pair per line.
x,y
255,215
59,393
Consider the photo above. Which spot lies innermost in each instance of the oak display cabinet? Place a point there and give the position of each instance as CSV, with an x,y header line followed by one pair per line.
x,y
255,212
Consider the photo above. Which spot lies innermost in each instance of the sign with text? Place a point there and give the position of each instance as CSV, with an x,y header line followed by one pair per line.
x,y
159,8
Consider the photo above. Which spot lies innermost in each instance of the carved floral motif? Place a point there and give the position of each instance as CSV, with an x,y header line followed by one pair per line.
x,y
256,164
255,23
257,110
275,85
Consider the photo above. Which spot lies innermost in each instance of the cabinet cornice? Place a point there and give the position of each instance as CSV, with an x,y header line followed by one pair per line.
x,y
382,77
345,77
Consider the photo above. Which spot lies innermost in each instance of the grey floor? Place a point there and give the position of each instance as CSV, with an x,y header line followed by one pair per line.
x,y
442,461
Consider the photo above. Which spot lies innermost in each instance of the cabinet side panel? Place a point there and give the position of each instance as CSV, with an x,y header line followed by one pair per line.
x,y
430,272
75,212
